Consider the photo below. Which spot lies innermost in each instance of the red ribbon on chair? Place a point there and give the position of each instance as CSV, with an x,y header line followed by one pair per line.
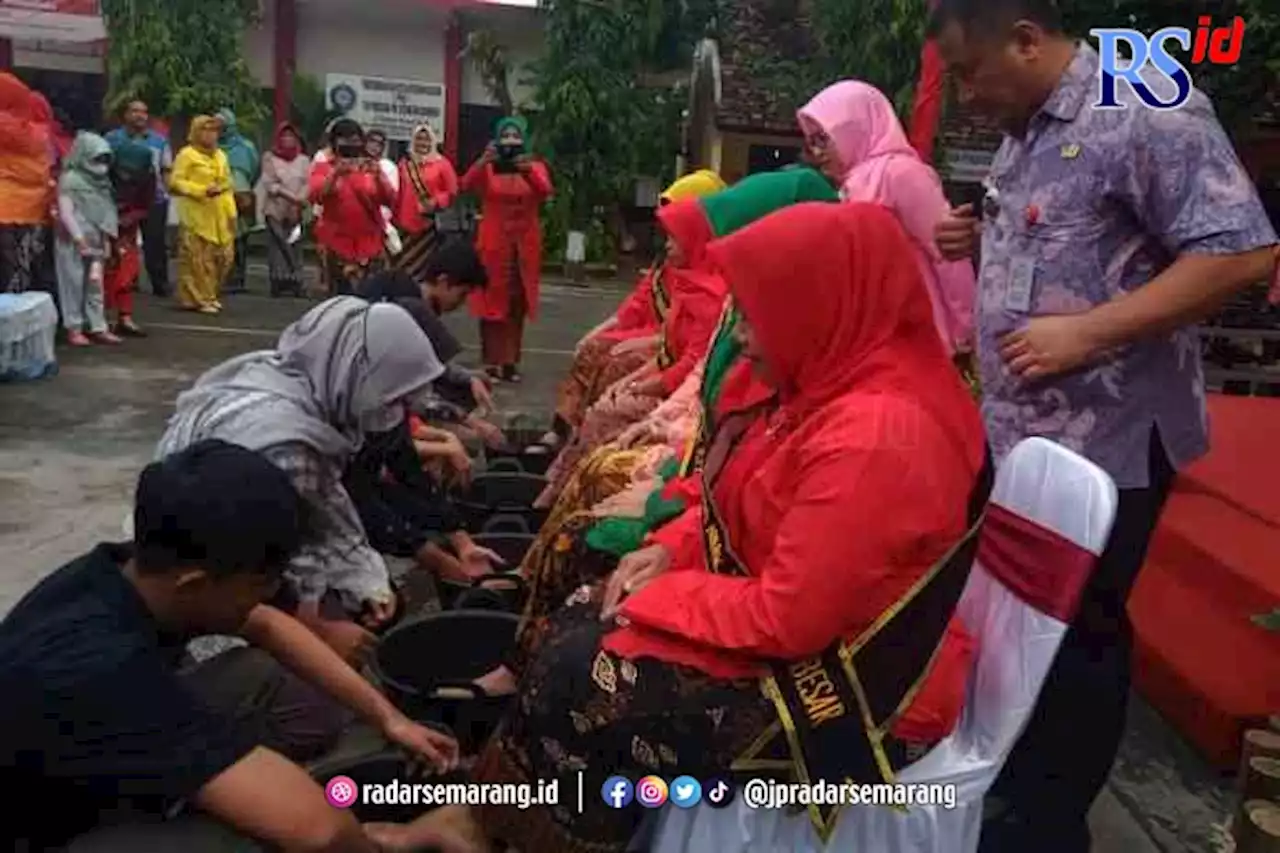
x,y
1044,569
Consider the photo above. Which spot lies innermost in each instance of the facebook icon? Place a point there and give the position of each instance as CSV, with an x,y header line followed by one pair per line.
x,y
617,792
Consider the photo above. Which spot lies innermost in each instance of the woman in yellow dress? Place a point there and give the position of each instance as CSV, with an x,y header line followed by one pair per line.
x,y
201,182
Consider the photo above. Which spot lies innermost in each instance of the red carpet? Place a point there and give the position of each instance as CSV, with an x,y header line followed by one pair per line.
x,y
1213,564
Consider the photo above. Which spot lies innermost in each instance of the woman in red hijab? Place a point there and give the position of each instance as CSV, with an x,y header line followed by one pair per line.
x,y
285,172
836,537
697,299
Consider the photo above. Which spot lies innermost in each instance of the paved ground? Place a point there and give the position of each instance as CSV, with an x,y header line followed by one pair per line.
x,y
71,446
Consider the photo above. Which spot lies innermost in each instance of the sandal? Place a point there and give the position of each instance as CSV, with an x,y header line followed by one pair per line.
x,y
78,339
105,338
511,373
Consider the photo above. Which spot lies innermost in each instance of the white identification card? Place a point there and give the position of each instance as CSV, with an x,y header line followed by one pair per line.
x,y
1022,280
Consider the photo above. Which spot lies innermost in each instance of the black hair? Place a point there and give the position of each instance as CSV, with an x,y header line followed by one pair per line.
x,y
376,134
128,105
978,17
220,507
457,259
345,127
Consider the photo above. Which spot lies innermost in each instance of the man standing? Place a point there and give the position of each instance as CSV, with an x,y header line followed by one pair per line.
x,y
1106,234
155,230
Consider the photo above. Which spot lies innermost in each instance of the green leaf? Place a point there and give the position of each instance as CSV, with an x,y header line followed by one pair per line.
x,y
1269,621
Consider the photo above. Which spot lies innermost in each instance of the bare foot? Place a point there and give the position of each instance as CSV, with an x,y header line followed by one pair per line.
x,y
450,829
498,682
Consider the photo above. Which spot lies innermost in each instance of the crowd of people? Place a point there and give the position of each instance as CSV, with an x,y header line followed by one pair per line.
x,y
769,469
100,204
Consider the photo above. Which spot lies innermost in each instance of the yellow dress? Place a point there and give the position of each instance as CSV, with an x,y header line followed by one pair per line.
x,y
207,225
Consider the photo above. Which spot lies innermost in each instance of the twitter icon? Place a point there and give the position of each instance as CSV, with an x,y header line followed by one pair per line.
x,y
686,792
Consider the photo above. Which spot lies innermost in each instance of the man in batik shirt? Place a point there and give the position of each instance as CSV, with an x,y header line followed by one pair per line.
x,y
1106,235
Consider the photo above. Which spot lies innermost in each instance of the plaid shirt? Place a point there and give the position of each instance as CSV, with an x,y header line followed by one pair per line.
x,y
340,558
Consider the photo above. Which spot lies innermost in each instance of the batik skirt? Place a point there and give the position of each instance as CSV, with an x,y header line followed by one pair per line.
x,y
593,371
580,708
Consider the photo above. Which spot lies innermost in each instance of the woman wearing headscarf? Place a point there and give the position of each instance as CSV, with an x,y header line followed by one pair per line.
x,y
601,358
246,169
345,370
853,135
512,186
351,189
625,490
89,225
202,184
697,297
428,184
26,175
697,654
133,178
285,170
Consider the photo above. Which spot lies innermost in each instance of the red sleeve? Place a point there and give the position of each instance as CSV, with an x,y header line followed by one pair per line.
x,y
636,311
682,537
539,177
447,189
819,583
315,182
476,178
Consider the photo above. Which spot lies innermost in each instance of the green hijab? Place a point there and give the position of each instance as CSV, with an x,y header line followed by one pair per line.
x,y
89,190
242,155
752,198
517,122
727,211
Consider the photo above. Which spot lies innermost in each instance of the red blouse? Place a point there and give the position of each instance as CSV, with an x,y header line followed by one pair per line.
x,y
441,183
351,224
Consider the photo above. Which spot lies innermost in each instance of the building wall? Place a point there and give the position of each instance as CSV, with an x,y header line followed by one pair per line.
x,y
406,43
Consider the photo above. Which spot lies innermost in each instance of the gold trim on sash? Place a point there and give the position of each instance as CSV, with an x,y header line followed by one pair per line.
x,y
825,689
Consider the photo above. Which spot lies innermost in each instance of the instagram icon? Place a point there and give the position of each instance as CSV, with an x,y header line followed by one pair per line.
x,y
651,792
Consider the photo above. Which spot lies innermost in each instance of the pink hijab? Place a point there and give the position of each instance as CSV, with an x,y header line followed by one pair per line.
x,y
882,167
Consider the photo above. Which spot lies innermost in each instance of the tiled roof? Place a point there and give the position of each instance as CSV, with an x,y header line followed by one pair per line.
x,y
756,34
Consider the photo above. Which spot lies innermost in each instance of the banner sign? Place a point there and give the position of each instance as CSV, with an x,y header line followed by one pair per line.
x,y
392,106
52,20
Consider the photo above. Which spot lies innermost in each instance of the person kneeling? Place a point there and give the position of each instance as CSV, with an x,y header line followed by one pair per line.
x,y
98,719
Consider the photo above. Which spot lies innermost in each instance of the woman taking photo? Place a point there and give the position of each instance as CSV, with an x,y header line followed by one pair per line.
x,y
202,183
428,184
351,190
511,186
285,170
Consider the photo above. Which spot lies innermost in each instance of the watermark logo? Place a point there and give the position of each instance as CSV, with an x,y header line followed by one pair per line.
x,y
1216,45
341,792
719,793
685,792
616,792
651,792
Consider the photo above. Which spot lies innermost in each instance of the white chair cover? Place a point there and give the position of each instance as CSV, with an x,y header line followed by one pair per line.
x,y
1041,482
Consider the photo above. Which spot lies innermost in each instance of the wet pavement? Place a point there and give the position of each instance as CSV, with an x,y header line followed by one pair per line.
x,y
72,445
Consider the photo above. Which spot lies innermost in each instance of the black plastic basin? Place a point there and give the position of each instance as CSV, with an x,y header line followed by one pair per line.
x,y
503,494
427,664
522,453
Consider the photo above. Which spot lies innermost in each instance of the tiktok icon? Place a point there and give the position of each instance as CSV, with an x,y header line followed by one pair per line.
x,y
718,793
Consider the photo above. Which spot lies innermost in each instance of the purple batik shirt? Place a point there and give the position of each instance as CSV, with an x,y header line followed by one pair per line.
x,y
1089,206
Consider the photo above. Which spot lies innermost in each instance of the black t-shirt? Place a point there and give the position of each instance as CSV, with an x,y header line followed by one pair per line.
x,y
93,715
